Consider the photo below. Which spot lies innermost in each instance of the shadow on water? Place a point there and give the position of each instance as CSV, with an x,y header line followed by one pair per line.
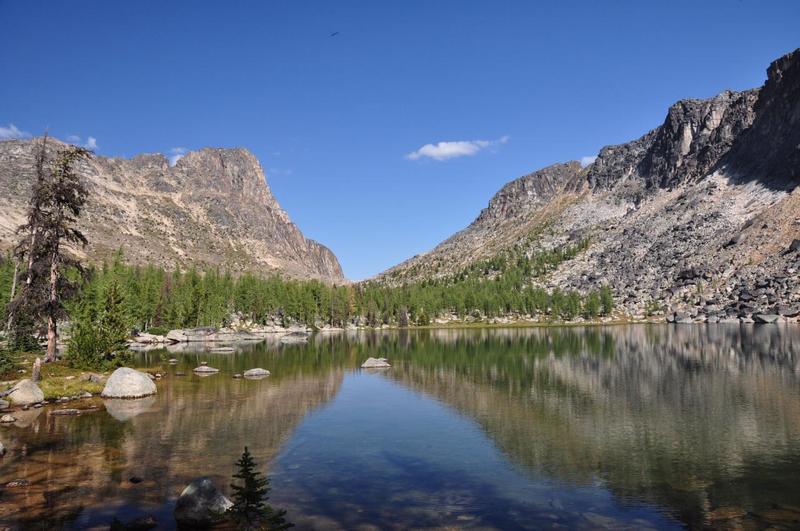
x,y
637,426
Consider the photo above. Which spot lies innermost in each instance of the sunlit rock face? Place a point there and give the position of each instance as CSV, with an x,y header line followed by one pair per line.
x,y
698,215
212,208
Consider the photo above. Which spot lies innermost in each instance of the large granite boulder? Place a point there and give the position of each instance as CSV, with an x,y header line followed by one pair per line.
x,y
25,393
128,383
375,363
201,504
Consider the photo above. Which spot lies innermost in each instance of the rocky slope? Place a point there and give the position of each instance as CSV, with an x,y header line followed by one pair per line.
x,y
213,208
700,216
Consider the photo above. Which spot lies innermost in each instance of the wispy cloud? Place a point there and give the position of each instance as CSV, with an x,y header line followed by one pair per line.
x,y
91,142
585,161
176,154
12,132
451,150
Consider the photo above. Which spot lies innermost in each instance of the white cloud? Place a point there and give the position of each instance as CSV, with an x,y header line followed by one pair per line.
x,y
585,161
91,142
450,150
176,154
12,132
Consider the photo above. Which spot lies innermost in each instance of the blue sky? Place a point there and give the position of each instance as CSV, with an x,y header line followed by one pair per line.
x,y
342,124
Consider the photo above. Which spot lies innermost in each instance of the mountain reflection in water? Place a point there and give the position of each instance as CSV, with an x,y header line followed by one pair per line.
x,y
637,426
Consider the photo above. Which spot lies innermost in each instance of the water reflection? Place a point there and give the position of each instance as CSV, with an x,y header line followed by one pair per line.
x,y
579,427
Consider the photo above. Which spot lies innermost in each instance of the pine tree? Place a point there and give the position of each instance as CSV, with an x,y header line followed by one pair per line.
x,y
250,510
98,338
56,202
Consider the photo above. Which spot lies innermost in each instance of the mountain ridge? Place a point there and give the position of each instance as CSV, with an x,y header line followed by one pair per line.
x,y
212,208
698,216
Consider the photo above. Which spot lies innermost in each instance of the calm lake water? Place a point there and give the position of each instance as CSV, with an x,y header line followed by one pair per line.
x,y
638,427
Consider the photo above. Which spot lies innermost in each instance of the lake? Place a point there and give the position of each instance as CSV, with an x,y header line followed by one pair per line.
x,y
639,427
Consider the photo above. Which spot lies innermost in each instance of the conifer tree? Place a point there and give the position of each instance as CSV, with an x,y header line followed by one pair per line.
x,y
56,202
250,509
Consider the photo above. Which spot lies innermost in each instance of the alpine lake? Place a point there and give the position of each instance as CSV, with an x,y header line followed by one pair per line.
x,y
618,427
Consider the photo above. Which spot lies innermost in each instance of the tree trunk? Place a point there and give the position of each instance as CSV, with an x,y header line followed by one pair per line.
x,y
36,374
13,293
52,325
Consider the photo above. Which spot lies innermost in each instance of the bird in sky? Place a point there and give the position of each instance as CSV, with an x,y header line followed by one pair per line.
x,y
334,34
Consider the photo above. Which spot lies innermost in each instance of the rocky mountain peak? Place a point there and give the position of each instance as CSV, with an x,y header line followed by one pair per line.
x,y
212,208
700,215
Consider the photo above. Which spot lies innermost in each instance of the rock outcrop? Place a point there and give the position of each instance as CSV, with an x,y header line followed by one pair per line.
x,y
698,216
128,383
25,393
212,208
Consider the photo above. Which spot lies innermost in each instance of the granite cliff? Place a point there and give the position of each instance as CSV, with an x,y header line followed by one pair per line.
x,y
212,208
698,219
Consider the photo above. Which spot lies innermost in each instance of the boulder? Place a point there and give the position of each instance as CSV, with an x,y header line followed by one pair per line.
x,y
765,318
128,383
25,393
92,377
256,373
375,363
205,370
201,504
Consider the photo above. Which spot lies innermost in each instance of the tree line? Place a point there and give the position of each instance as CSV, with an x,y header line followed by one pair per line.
x,y
105,303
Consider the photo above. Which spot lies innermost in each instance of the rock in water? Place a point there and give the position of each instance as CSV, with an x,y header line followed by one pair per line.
x,y
256,373
25,393
765,318
7,419
375,363
295,337
205,370
128,383
201,504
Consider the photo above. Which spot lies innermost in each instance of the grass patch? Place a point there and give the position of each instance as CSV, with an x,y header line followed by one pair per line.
x,y
56,387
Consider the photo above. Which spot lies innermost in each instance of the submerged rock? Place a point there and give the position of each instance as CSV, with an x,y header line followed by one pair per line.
x,y
201,504
375,363
205,370
128,383
25,393
295,337
258,372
